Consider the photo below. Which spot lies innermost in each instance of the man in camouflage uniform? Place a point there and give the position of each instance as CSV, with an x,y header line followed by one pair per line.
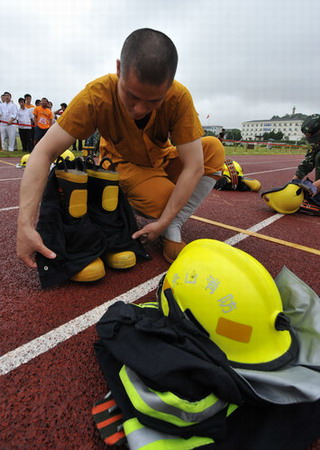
x,y
311,129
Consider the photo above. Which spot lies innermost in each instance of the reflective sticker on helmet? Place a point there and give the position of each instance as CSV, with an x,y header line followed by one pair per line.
x,y
234,330
227,303
212,284
191,278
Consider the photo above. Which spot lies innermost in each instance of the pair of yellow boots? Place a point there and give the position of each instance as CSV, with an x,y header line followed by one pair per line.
x,y
103,188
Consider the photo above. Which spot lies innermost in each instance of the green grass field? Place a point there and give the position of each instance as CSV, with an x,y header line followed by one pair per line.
x,y
230,150
263,150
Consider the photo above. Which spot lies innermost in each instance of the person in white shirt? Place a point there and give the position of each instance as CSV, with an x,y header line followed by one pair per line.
x,y
8,115
25,117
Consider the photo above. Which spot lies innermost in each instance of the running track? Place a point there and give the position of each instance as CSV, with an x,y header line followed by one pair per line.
x,y
49,375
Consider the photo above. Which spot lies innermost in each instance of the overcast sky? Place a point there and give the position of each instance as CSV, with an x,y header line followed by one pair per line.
x,y
241,59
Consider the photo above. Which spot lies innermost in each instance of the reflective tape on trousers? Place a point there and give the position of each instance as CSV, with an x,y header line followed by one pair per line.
x,y
167,406
140,437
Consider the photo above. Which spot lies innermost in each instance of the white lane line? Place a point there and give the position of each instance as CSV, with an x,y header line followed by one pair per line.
x,y
26,352
240,236
9,208
10,179
273,170
47,341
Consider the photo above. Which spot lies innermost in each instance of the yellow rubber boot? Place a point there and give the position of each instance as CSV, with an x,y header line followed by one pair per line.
x,y
254,185
103,198
121,260
72,192
87,151
92,272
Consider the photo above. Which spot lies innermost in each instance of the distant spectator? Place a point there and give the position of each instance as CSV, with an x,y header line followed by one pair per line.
x,y
43,119
38,102
27,101
1,101
94,141
59,111
50,105
221,134
8,115
25,117
28,105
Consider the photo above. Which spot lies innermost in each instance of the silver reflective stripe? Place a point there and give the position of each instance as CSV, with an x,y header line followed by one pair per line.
x,y
302,305
286,386
145,436
155,402
141,437
299,381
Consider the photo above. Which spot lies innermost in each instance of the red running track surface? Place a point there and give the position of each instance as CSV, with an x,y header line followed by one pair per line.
x,y
51,381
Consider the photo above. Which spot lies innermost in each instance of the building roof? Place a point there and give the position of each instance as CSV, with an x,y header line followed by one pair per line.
x,y
287,117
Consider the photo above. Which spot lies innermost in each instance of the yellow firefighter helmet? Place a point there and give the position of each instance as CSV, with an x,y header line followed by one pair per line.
x,y
233,298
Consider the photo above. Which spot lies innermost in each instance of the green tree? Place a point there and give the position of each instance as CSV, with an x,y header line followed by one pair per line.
x,y
208,133
276,136
233,134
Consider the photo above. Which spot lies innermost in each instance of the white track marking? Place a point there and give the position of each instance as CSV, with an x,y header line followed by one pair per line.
x,y
273,170
10,179
240,236
47,341
9,208
26,352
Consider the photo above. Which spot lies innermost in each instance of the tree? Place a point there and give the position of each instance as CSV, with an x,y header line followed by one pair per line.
x,y
276,136
233,134
208,133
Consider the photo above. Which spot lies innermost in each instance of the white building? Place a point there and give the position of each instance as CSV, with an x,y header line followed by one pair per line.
x,y
214,128
289,125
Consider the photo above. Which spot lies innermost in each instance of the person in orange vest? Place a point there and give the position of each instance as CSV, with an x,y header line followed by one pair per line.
x,y
43,119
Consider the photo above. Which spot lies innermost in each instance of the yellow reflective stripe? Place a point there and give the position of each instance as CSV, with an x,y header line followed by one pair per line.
x,y
193,407
155,402
132,425
141,406
110,196
231,408
78,202
105,175
141,437
154,305
74,176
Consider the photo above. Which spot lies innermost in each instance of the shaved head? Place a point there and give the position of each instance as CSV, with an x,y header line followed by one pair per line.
x,y
152,56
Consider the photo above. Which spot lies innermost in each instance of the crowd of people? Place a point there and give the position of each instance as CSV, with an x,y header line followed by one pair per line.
x,y
30,122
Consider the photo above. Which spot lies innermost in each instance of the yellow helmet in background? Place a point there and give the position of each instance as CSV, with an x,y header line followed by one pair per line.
x,y
67,155
24,160
253,184
284,200
234,299
237,166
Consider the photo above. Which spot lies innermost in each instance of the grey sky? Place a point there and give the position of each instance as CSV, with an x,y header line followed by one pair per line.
x,y
241,59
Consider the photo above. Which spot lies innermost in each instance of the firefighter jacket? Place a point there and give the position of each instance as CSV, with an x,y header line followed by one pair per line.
x,y
169,377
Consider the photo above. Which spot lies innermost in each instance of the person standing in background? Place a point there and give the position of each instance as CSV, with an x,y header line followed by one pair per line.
x,y
43,119
8,115
27,101
59,111
28,105
25,117
221,134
